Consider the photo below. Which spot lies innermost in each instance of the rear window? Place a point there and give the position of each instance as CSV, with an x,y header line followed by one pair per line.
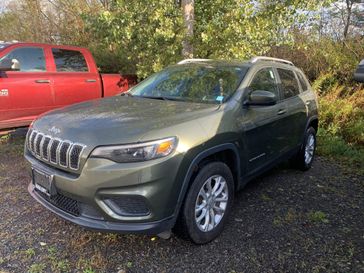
x,y
69,60
289,83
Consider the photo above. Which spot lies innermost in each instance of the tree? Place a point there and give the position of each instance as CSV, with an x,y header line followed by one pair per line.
x,y
188,16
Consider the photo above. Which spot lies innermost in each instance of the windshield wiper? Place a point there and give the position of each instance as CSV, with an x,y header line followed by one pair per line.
x,y
126,94
163,98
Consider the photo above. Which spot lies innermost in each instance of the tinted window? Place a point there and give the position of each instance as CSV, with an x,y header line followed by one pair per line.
x,y
302,81
69,60
264,80
197,83
290,86
31,59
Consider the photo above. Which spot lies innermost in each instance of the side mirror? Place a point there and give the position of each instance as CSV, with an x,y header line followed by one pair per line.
x,y
359,73
261,97
9,65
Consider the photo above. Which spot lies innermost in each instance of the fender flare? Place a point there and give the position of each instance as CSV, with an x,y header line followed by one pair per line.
x,y
309,120
197,159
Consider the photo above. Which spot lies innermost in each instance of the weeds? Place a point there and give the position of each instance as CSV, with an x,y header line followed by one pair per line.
x,y
317,217
37,268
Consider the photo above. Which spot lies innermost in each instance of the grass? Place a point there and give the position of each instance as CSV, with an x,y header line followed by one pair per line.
x,y
334,147
317,217
37,268
341,128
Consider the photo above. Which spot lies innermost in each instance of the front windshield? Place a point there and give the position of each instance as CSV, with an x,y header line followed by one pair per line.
x,y
196,83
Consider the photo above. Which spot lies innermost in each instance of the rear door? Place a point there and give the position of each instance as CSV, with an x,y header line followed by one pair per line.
x,y
26,93
296,117
75,79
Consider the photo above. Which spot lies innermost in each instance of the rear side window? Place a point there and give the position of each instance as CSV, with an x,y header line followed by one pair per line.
x,y
264,80
303,82
289,82
31,59
69,60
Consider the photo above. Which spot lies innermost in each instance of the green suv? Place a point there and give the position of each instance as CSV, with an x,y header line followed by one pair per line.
x,y
172,151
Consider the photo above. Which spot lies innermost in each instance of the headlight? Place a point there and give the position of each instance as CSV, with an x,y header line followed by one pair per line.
x,y
137,152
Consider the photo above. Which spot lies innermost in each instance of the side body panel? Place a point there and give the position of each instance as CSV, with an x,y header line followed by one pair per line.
x,y
24,95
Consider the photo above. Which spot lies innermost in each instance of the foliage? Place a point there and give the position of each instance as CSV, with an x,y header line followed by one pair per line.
x,y
144,36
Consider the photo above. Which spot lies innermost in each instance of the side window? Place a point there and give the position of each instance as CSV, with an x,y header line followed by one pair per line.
x,y
265,80
303,82
69,60
31,59
290,86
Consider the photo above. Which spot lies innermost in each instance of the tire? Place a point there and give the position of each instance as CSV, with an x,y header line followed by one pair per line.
x,y
198,205
303,160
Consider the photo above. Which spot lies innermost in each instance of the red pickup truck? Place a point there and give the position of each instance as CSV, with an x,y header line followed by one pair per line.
x,y
35,78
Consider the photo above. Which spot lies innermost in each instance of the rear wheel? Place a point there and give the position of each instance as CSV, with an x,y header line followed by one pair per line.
x,y
207,204
305,156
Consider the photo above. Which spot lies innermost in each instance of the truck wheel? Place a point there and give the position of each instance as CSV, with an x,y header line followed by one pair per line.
x,y
305,156
207,204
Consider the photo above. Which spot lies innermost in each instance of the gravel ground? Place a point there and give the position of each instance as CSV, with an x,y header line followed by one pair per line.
x,y
284,221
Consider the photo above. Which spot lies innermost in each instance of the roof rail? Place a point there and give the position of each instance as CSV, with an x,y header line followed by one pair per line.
x,y
263,58
186,61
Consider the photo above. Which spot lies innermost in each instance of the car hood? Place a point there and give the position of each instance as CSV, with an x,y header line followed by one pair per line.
x,y
117,120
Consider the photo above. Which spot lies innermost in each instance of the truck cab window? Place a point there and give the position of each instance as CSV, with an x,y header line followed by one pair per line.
x,y
69,60
31,59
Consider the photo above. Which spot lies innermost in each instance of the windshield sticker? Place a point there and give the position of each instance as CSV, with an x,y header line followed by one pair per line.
x,y
271,74
220,98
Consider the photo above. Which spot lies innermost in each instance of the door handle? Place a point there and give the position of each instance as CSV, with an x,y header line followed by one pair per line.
x,y
90,80
42,81
282,111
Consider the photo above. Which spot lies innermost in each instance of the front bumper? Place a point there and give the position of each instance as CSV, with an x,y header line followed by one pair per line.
x,y
155,181
150,228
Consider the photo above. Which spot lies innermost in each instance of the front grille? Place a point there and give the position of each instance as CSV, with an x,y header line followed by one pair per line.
x,y
55,151
62,202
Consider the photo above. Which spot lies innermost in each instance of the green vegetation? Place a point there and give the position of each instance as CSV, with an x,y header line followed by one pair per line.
x,y
318,217
341,133
37,268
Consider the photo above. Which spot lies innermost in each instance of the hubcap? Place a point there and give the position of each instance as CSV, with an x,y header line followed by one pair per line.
x,y
211,203
309,149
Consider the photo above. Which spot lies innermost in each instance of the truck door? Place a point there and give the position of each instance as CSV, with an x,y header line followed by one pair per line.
x,y
73,80
25,93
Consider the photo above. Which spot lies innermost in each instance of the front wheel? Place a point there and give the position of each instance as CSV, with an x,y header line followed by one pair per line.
x,y
305,156
207,204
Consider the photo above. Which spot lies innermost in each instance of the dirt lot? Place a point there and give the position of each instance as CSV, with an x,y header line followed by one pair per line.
x,y
285,221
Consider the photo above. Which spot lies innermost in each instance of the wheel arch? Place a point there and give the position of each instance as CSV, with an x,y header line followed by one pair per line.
x,y
227,153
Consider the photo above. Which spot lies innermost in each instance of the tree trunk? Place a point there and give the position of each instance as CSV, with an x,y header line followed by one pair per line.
x,y
349,6
188,15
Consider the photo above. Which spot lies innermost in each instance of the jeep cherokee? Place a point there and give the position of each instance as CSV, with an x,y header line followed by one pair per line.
x,y
173,150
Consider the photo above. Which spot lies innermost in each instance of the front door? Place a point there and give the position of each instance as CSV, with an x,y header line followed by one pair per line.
x,y
262,125
26,93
